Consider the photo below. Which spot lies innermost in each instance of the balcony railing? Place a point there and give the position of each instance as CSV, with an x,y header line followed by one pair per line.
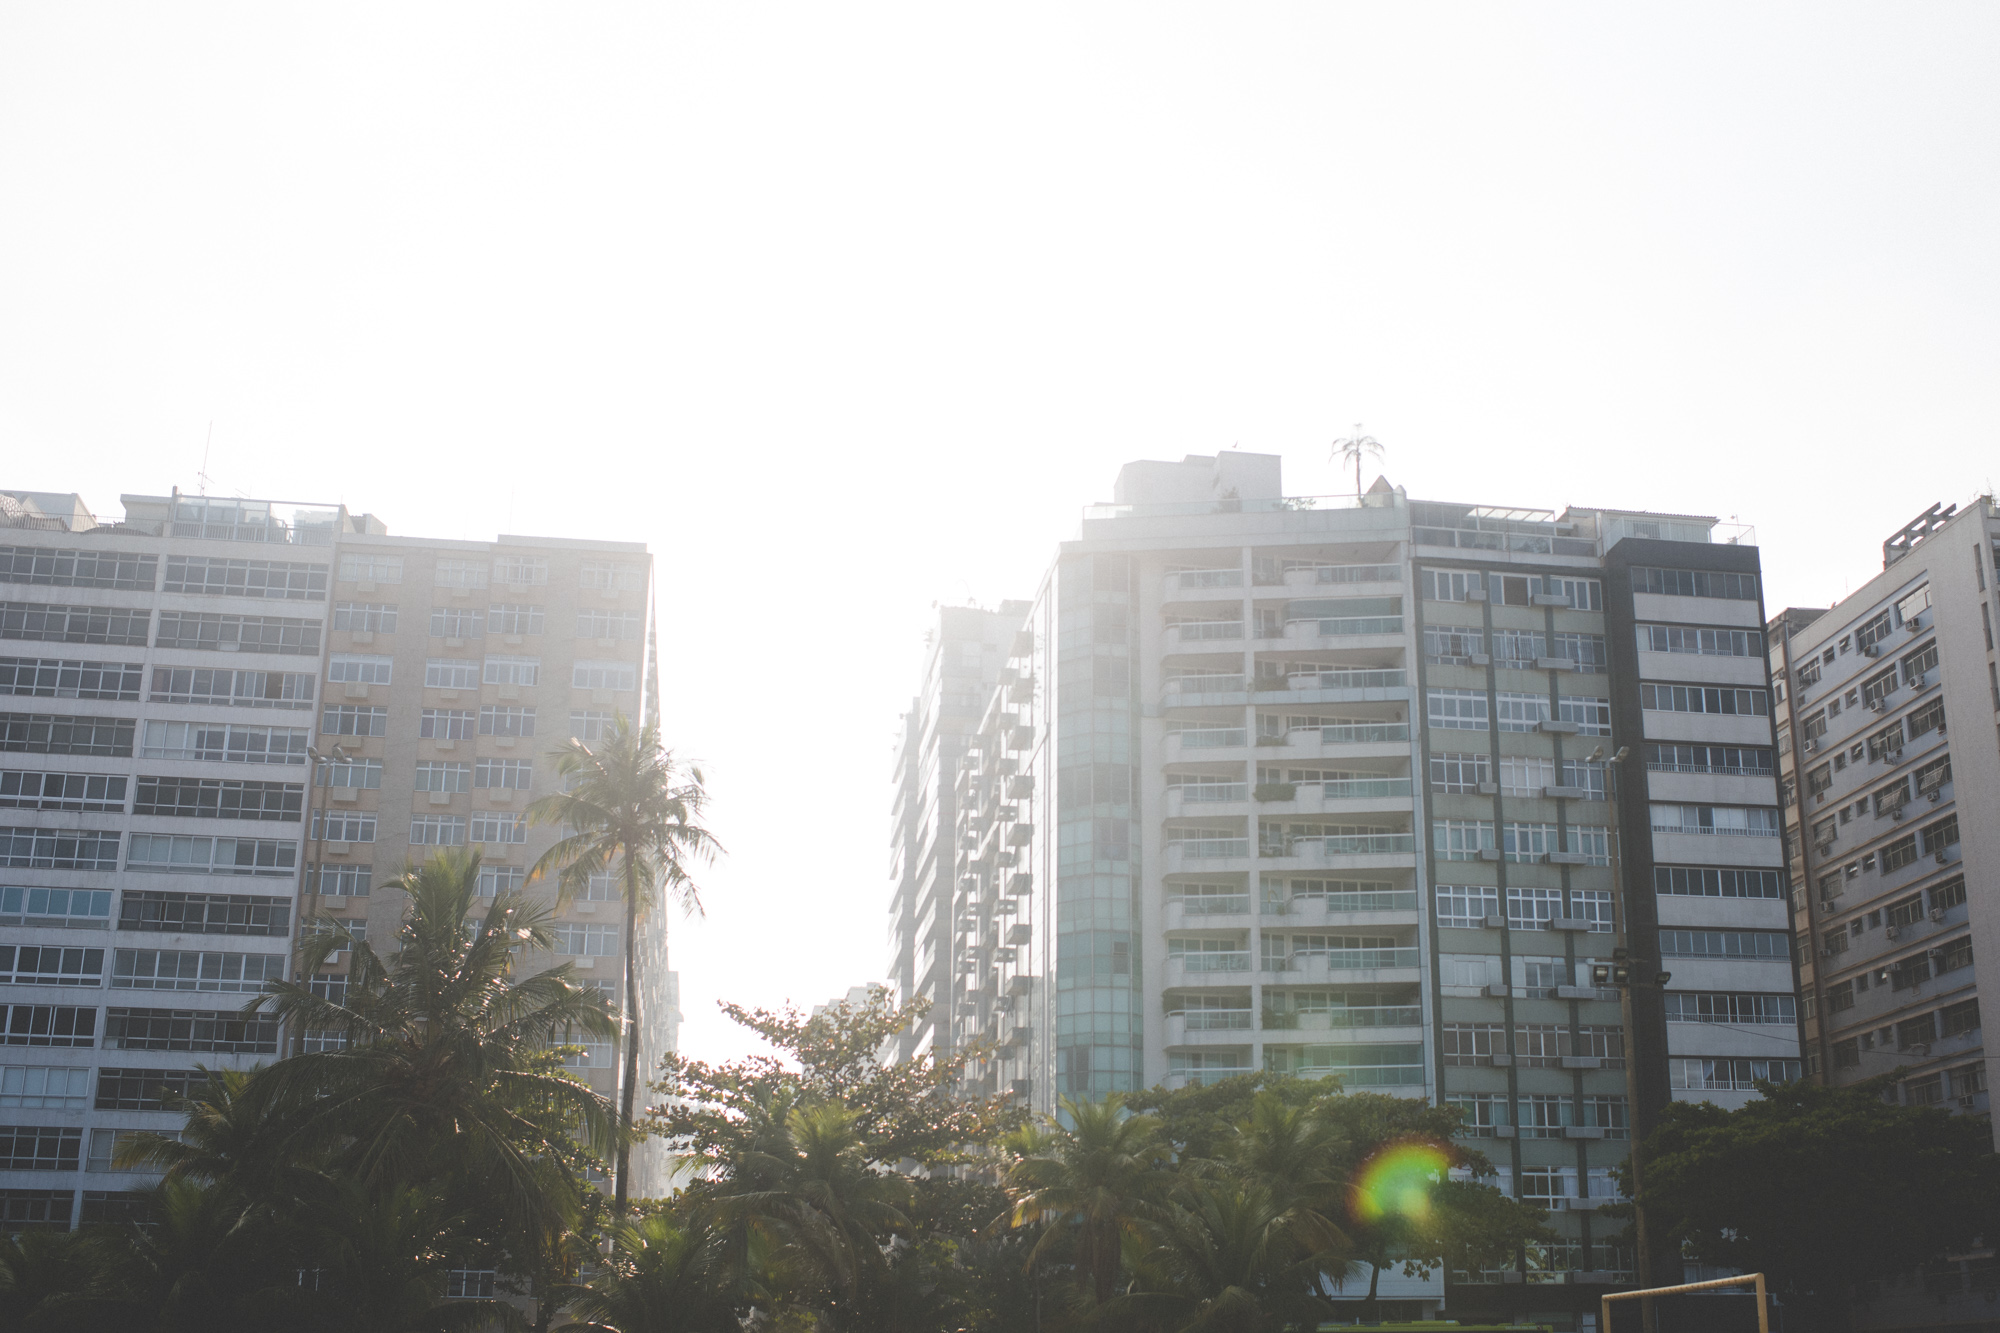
x,y
1336,626
1209,793
1204,849
1389,900
1355,789
1364,733
1189,631
1342,844
1213,1020
1206,578
1213,904
1215,738
1375,1016
1341,960
1215,961
1350,573
1233,683
1345,680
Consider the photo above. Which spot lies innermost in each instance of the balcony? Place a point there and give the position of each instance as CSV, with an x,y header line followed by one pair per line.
x,y
1345,851
1205,691
1204,634
1347,631
1348,796
1394,907
1345,965
1209,969
1190,854
1323,576
1373,1023
1197,584
1211,1027
1209,911
1205,798
1197,1078
1206,742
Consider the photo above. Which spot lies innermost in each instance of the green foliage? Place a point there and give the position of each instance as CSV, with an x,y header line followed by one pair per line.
x,y
1821,1189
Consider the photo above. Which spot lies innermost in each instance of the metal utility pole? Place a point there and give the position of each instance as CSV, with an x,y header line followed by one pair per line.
x,y
1625,973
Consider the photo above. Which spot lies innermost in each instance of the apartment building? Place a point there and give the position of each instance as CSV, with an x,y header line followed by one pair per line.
x,y
1885,896
225,717
962,663
1367,787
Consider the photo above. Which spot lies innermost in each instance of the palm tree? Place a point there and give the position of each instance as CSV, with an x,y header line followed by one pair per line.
x,y
629,805
1299,1159
664,1276
1353,449
441,1068
1225,1258
1100,1175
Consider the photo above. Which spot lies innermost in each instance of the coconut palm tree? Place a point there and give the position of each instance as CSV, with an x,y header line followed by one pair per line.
x,y
665,1275
1223,1258
1099,1175
1353,449
630,806
444,1069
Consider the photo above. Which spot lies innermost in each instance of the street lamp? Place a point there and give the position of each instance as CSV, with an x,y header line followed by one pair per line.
x,y
1627,973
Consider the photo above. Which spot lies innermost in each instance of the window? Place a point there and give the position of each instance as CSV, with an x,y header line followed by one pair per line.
x,y
1872,632
62,678
1732,1009
591,725
212,856
609,574
437,831
1518,647
1452,645
1955,1020
1765,944
343,826
215,577
226,633
442,777
1934,775
234,743
1520,712
1901,852
1928,718
232,689
603,888
359,669
39,733
1594,906
1585,652
1450,585
1940,835
1526,777
450,622
445,724
1743,760
1462,710
1544,1187
367,617
470,1283
1878,688
56,568
1474,1043
1531,908
496,880
513,670
494,827
47,1025
57,849
1592,716
350,774
1461,839
1695,583
171,969
1466,906
1610,1114
44,1088
459,574
1733,820
26,790
507,774
451,673
604,676
1703,699
39,1148
1449,772
1835,940
74,624
1948,895
1807,673
353,720
223,1033
1738,1075
1846,1054
344,881
518,618
1704,642
593,941
1483,1112
1957,954
219,798
50,965
1594,1041
1919,664
502,721
145,1089
600,624
1583,594
371,568
520,569
85,908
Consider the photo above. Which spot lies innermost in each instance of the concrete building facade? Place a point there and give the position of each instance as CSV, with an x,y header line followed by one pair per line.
x,y
223,717
1332,787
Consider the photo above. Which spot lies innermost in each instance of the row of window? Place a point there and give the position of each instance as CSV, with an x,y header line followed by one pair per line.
x,y
1457,645
514,570
85,849
228,913
1465,839
452,673
114,737
505,618
290,580
1518,775
1952,1020
1468,906
1536,1045
1504,589
486,827
1471,710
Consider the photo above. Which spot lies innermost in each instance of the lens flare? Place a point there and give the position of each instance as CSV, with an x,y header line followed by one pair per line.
x,y
1396,1181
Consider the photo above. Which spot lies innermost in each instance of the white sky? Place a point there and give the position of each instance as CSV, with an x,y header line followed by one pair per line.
x,y
846,309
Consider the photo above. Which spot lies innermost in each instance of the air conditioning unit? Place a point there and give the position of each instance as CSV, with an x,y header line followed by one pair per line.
x,y
1893,932
1871,651
1936,794
1896,812
1812,744
1937,914
1923,678
1940,857
1914,626
1826,950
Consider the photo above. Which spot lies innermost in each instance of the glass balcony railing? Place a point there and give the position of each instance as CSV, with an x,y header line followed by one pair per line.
x,y
1377,1016
1213,738
1352,789
1341,960
1364,733
1210,793
1190,579
1345,680
1213,1020
1213,904
1191,630
1336,626
1216,961
1364,900
1208,848
1216,684
1343,844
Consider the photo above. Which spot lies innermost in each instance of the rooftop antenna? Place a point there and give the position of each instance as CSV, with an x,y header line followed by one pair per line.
x,y
202,476
1353,449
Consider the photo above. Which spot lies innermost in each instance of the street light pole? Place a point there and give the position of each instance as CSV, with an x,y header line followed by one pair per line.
x,y
1625,975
